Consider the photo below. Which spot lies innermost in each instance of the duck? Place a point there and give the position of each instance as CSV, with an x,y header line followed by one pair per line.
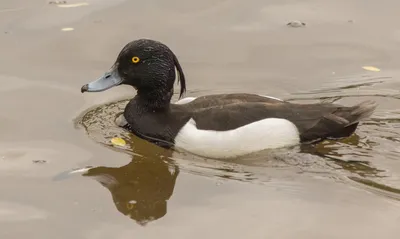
x,y
216,125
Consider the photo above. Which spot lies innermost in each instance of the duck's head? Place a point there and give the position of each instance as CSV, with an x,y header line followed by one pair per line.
x,y
147,65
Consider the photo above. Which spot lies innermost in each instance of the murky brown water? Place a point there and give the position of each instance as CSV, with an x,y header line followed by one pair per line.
x,y
346,189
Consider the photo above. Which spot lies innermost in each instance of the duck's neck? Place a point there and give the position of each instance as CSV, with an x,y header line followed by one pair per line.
x,y
154,100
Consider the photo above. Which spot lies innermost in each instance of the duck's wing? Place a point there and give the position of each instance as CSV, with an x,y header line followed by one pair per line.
x,y
313,121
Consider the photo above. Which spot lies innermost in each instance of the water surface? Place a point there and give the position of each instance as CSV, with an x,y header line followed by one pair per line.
x,y
344,189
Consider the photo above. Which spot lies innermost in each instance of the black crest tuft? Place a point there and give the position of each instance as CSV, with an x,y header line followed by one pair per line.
x,y
181,76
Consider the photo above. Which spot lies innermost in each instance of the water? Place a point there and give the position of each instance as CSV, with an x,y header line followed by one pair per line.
x,y
337,189
365,159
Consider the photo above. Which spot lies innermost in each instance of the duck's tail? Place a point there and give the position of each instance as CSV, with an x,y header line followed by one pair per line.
x,y
353,115
360,111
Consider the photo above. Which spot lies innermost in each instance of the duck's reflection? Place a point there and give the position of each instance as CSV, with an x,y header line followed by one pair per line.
x,y
343,154
142,188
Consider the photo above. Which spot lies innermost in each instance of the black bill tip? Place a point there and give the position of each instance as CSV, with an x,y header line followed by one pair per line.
x,y
84,88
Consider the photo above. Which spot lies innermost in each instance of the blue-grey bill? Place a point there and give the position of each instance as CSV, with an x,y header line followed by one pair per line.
x,y
107,81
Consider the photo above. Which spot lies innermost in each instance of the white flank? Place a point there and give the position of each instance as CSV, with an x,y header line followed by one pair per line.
x,y
185,100
264,134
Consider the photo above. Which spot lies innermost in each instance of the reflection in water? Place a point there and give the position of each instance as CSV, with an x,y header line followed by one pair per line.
x,y
343,154
142,188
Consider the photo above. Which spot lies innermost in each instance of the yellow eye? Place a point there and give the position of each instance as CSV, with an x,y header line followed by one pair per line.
x,y
135,59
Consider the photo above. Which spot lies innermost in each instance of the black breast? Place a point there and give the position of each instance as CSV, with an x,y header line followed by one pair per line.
x,y
157,126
